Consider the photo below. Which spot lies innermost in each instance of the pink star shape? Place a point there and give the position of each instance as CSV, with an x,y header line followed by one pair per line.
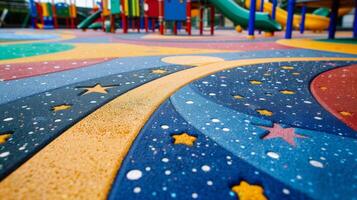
x,y
287,134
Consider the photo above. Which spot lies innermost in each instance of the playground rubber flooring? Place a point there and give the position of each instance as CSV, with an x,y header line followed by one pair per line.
x,y
89,115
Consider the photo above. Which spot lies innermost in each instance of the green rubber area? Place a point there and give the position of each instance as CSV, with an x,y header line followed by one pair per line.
x,y
240,16
340,40
12,51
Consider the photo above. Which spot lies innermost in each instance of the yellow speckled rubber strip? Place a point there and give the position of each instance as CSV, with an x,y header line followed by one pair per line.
x,y
319,45
83,161
191,60
88,50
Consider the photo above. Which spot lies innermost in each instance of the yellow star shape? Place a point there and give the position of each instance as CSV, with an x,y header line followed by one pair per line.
x,y
287,92
4,137
184,138
158,71
265,112
255,82
245,191
96,89
61,107
346,113
238,97
323,88
287,67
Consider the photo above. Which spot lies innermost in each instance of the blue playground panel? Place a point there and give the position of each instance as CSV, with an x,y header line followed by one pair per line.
x,y
175,10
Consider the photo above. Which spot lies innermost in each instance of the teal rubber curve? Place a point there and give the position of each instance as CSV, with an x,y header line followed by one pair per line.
x,y
240,16
89,20
322,12
96,25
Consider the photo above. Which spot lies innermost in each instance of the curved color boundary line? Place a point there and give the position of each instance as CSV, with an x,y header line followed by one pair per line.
x,y
321,46
32,69
83,162
338,94
114,50
62,36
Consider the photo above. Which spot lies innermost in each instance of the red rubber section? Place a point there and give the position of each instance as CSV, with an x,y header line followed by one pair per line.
x,y
24,70
336,91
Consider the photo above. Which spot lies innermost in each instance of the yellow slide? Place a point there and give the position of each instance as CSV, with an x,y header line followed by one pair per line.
x,y
312,22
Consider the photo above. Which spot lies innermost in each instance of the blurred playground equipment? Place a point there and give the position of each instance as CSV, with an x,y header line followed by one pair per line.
x,y
316,21
169,16
174,14
45,15
3,16
337,7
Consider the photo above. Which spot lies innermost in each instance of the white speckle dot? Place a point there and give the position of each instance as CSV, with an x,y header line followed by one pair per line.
x,y
147,168
93,102
225,129
189,102
273,155
318,118
167,172
137,190
4,154
286,191
57,120
209,183
23,147
134,174
194,195
205,168
316,163
212,94
165,127
165,160
215,120
8,119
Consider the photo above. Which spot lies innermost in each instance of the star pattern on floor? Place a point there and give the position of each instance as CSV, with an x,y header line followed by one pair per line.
x,y
287,92
238,97
246,191
255,82
4,137
265,112
98,88
287,134
346,113
158,71
61,107
287,67
323,88
184,138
